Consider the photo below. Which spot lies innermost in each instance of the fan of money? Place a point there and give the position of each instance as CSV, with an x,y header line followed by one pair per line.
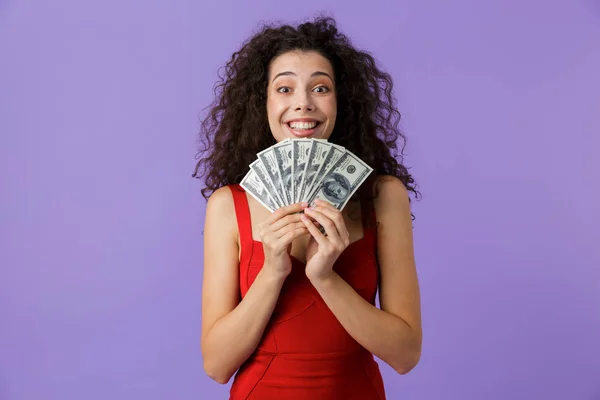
x,y
303,170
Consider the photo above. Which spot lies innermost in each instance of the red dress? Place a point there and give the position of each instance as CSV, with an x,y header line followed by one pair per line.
x,y
305,353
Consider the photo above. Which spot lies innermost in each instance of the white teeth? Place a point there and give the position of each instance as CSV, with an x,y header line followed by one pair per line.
x,y
302,125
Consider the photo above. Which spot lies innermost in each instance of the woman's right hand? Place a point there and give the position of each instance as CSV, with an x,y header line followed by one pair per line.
x,y
277,232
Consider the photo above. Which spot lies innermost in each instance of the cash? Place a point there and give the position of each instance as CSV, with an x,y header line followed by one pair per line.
x,y
316,157
304,170
341,181
253,185
300,150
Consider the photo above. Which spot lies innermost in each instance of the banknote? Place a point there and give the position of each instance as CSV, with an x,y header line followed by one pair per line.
x,y
316,156
261,172
272,167
253,185
334,154
283,163
300,152
341,181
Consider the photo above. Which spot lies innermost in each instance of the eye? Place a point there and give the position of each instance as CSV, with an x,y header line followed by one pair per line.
x,y
283,89
321,89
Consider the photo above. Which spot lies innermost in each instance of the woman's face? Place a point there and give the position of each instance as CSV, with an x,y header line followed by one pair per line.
x,y
301,99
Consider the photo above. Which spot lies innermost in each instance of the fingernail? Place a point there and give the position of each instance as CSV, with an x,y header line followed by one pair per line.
x,y
304,204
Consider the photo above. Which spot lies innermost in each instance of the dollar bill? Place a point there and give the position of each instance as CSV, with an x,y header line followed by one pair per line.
x,y
261,172
300,153
282,153
272,167
253,185
341,181
316,156
334,154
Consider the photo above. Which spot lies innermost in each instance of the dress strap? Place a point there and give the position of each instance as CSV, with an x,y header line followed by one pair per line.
x,y
369,220
242,214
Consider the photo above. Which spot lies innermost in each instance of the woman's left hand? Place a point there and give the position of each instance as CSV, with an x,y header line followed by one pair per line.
x,y
323,250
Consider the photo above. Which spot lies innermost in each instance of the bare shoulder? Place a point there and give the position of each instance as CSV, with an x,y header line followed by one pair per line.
x,y
221,209
391,196
221,201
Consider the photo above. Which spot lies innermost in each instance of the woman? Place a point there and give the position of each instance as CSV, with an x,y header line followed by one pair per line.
x,y
289,308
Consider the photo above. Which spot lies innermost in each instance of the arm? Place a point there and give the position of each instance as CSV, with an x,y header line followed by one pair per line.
x,y
392,333
231,329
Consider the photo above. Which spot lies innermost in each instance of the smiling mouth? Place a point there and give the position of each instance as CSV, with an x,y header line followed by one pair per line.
x,y
303,126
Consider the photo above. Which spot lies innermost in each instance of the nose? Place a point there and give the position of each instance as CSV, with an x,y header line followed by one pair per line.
x,y
304,101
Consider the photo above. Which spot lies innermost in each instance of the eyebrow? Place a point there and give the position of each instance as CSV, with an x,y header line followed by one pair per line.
x,y
317,73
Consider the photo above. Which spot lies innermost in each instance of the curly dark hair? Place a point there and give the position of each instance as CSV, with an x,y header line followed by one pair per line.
x,y
236,127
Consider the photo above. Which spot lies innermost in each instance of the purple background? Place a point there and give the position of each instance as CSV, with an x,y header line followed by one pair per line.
x,y
101,223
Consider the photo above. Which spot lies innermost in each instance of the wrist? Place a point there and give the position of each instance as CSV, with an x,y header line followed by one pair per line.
x,y
322,279
273,274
